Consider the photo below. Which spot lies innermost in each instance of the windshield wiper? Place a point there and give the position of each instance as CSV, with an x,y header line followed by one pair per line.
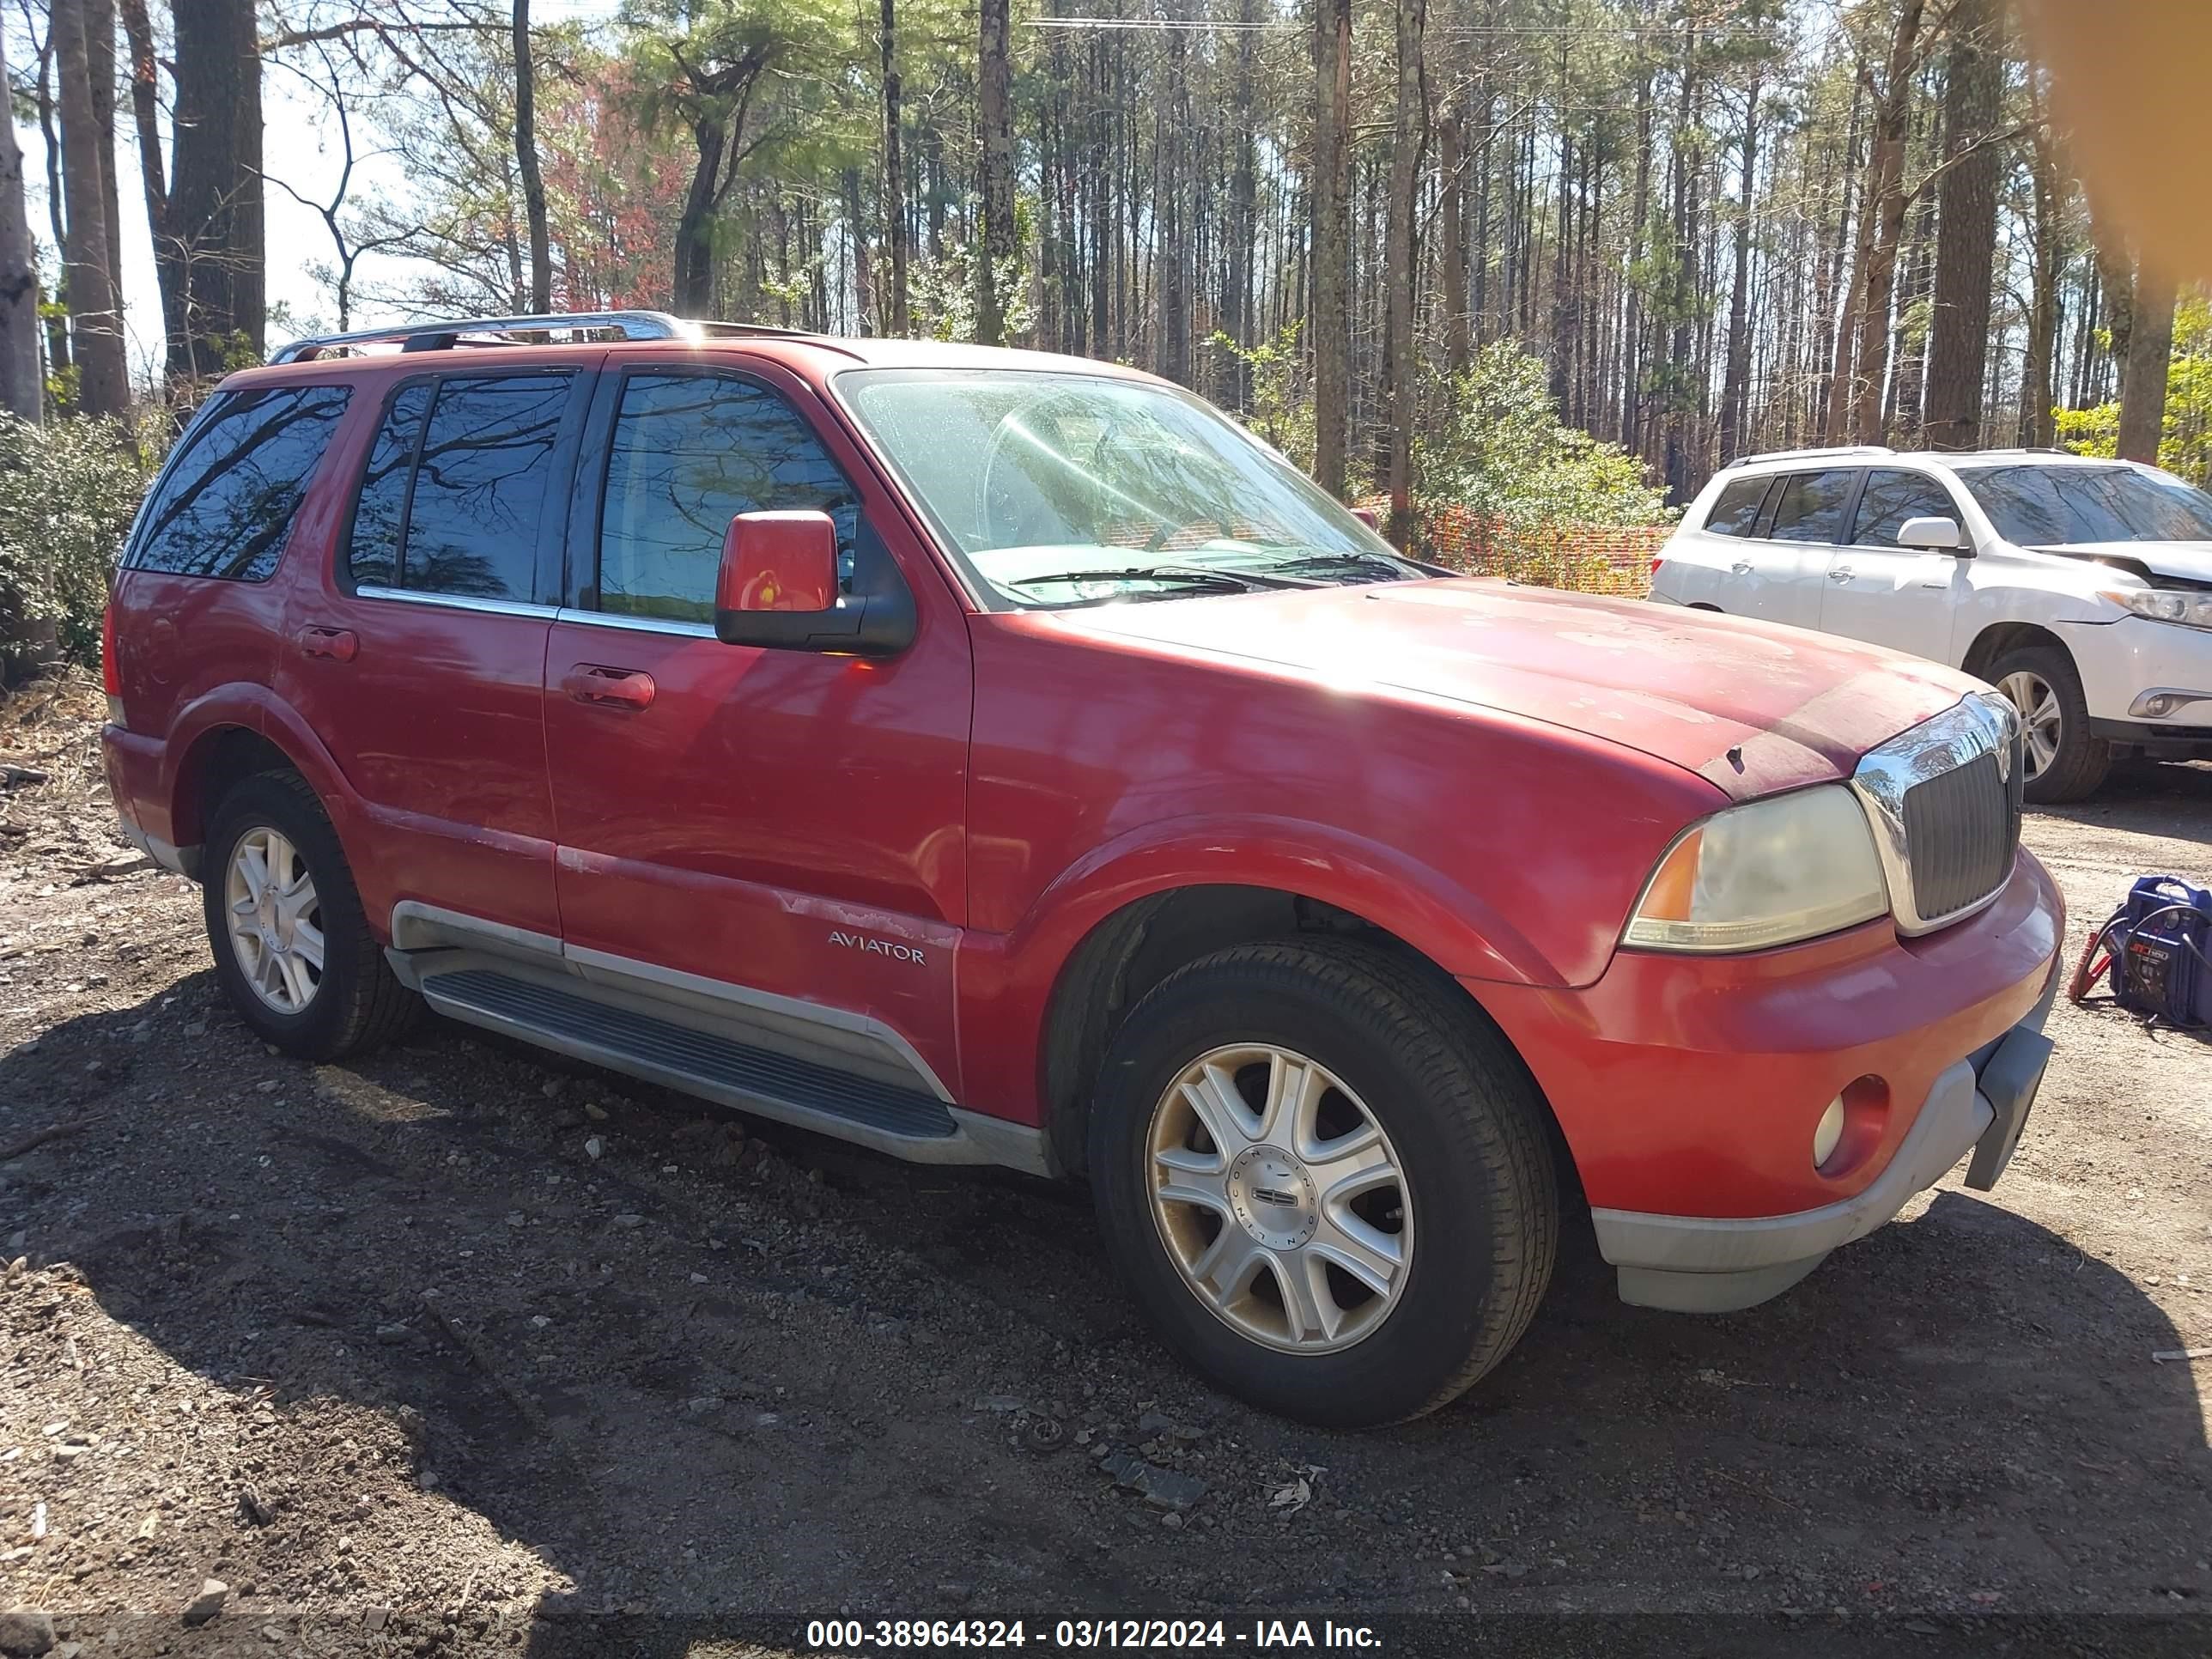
x,y
1225,581
1395,566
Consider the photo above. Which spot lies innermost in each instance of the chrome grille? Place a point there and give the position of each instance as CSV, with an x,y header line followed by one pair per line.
x,y
1943,800
1961,828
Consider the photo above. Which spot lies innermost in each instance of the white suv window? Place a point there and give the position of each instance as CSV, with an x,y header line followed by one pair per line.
x,y
1811,508
1736,508
1890,498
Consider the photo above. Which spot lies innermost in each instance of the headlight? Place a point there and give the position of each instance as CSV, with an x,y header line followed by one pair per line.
x,y
2171,605
1768,873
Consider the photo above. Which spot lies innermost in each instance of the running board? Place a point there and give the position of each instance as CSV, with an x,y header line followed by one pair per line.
x,y
906,1123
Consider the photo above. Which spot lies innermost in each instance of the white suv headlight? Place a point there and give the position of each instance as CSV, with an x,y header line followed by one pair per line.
x,y
2171,605
1768,873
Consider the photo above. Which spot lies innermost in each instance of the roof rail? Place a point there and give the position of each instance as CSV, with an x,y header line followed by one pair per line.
x,y
1836,452
442,336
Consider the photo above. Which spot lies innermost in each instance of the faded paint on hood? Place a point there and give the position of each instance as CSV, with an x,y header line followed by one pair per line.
x,y
1753,707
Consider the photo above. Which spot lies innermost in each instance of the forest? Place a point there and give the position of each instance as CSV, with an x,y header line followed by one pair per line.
x,y
1547,259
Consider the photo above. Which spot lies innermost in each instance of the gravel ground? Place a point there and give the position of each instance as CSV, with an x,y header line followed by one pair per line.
x,y
461,1348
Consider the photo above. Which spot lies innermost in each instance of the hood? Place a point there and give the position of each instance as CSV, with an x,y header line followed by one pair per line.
x,y
2189,562
1753,707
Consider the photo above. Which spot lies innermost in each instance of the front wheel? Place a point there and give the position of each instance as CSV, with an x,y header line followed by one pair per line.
x,y
2064,762
1327,1182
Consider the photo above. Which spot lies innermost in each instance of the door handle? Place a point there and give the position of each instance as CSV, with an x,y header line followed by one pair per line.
x,y
1742,566
591,682
338,644
1842,573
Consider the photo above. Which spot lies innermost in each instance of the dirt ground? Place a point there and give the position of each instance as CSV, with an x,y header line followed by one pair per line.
x,y
462,1348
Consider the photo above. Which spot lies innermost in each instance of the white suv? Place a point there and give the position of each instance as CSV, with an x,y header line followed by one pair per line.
x,y
2080,588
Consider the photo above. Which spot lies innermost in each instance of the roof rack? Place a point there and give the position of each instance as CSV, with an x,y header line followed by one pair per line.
x,y
1835,452
444,335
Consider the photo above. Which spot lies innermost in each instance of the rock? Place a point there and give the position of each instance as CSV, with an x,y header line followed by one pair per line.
x,y
376,1618
196,1028
594,1111
268,1085
1162,1487
629,1219
700,1405
207,1605
953,1590
26,1633
254,1507
1160,1424
595,1148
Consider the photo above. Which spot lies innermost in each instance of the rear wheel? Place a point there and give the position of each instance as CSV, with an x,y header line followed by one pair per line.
x,y
292,946
1328,1183
2064,762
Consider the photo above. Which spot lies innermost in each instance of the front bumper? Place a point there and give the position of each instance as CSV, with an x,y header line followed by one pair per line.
x,y
1688,1089
2120,661
1701,1264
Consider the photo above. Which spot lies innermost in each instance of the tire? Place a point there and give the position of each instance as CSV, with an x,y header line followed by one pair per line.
x,y
2078,767
1475,1193
352,1001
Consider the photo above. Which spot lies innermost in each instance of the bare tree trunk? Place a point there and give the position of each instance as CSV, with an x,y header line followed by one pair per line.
x,y
1736,386
2037,395
526,162
896,318
215,214
2150,351
99,70
1400,264
1451,240
22,379
146,116
103,382
998,238
1966,249
1885,204
1331,238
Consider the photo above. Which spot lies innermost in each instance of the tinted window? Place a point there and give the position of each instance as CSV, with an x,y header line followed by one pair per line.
x,y
2052,506
1891,498
228,500
472,515
1738,506
373,550
690,452
1811,508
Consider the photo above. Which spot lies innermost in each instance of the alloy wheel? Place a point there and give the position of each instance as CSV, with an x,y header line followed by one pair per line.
x,y
1280,1199
2041,720
276,919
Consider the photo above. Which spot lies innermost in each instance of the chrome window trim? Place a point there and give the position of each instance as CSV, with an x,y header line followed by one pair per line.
x,y
1980,723
697,630
458,601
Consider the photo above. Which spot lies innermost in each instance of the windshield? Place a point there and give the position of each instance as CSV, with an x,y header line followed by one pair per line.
x,y
2056,506
1067,488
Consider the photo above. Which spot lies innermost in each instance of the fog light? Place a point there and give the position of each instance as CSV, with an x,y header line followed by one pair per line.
x,y
2159,708
1828,1131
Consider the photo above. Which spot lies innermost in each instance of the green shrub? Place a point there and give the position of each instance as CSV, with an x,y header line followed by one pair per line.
x,y
68,490
1502,456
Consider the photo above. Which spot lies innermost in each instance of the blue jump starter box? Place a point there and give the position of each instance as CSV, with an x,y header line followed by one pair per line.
x,y
2161,945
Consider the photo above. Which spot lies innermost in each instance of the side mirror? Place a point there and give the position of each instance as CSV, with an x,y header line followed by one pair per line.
x,y
1936,535
1367,516
777,587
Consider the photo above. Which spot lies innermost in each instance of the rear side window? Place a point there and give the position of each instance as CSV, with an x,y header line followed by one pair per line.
x,y
1811,507
225,505
452,498
690,452
1733,514
1891,497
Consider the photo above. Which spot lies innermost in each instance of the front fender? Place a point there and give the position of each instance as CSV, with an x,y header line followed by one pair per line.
x,y
1006,981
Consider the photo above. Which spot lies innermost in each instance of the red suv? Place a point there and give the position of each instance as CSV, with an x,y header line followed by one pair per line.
x,y
993,757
